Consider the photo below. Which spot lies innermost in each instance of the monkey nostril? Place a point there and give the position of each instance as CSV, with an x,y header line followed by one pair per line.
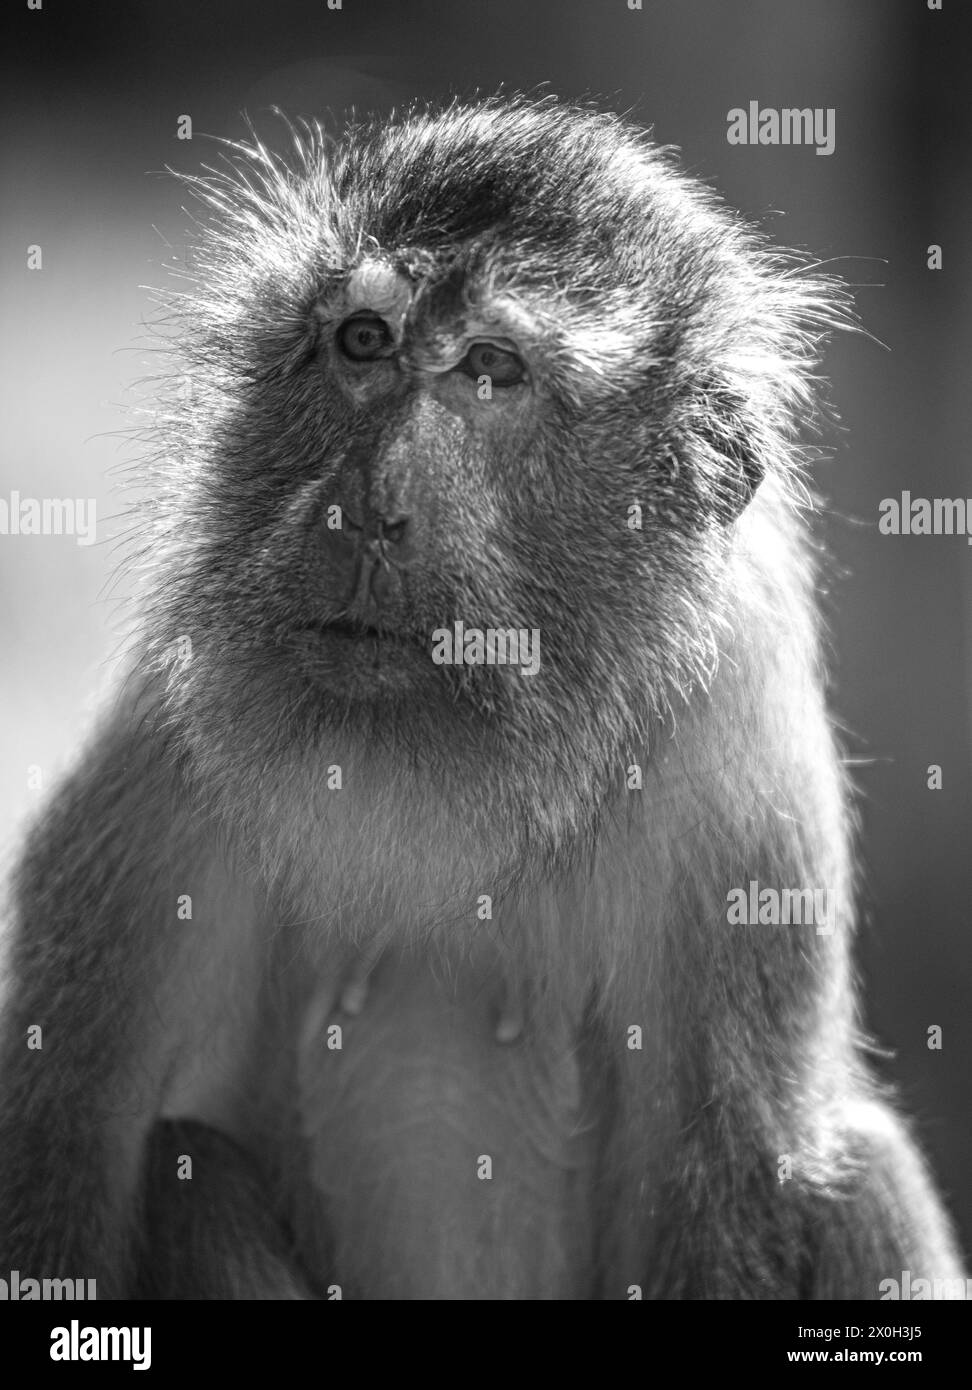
x,y
393,531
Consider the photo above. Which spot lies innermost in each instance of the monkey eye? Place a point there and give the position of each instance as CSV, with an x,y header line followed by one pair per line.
x,y
486,359
364,338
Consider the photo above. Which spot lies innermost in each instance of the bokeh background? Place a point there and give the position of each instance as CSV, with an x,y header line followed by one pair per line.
x,y
90,96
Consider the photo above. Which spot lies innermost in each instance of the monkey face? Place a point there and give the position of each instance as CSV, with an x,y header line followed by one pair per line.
x,y
492,381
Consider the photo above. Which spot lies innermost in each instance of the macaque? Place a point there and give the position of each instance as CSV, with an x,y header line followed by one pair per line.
x,y
434,915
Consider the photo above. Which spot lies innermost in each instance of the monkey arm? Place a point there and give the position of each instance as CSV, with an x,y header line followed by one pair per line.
x,y
777,1168
883,1218
215,1237
100,981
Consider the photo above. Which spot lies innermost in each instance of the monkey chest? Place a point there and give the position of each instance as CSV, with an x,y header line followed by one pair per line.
x,y
440,1161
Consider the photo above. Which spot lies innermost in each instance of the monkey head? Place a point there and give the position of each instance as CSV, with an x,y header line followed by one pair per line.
x,y
501,365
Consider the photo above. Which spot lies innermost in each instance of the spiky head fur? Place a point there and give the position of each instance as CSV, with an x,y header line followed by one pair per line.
x,y
672,355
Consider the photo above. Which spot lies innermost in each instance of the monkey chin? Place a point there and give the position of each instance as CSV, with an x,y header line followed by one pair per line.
x,y
365,664
346,771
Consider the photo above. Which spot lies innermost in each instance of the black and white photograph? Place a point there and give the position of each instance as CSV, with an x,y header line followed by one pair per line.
x,y
486,678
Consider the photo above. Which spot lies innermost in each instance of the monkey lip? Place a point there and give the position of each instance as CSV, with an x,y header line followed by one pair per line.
x,y
346,630
361,659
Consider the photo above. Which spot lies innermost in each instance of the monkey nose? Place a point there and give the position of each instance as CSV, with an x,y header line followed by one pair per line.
x,y
379,553
393,533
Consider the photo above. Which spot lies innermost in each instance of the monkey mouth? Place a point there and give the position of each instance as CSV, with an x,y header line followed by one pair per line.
x,y
349,639
345,629
355,659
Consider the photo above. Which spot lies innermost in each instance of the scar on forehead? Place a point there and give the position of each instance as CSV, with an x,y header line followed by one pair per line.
x,y
374,286
377,285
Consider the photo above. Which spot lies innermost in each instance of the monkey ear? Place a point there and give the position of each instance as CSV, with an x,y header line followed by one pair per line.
x,y
736,448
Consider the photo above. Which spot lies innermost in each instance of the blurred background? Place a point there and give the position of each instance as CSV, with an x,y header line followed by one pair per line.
x,y
90,98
